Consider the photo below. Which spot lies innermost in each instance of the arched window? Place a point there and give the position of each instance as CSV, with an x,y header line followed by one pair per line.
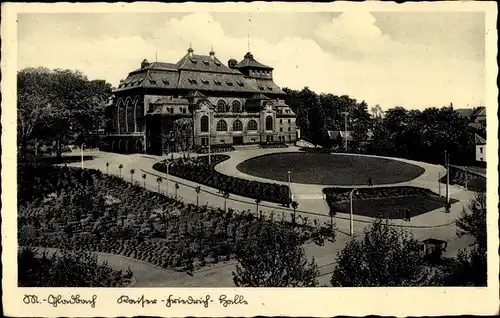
x,y
221,125
269,123
252,125
204,124
237,125
221,106
236,107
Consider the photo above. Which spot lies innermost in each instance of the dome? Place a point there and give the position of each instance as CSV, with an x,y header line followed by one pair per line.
x,y
231,63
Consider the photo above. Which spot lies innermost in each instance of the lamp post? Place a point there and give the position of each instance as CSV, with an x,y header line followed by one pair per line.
x,y
439,183
81,152
351,227
168,174
289,188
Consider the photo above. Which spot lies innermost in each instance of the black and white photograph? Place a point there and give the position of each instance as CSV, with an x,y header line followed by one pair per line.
x,y
240,148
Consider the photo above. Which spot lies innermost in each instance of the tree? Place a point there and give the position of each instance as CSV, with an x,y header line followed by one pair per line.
x,y
470,267
132,171
120,167
58,105
295,205
159,180
107,167
385,257
176,189
225,195
144,178
183,133
257,202
198,190
273,256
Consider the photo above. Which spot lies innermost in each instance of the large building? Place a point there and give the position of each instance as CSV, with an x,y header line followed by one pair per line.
x,y
161,107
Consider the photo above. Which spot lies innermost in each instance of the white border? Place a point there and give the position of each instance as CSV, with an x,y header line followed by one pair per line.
x,y
289,302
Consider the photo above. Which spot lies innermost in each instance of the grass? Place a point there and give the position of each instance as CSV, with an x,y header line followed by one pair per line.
x,y
330,169
392,207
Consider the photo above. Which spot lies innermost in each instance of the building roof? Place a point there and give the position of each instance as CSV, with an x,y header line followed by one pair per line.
x,y
249,61
478,140
479,111
466,112
170,100
335,134
201,73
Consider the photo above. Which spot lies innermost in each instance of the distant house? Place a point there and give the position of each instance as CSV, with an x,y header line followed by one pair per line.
x,y
476,116
480,148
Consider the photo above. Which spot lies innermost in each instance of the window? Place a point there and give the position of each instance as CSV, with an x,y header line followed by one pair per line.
x,y
237,125
236,106
261,87
221,125
289,121
204,124
194,61
221,106
287,111
481,149
217,82
281,128
290,138
289,129
281,121
239,83
269,88
222,141
269,123
205,62
217,63
252,125
164,82
183,110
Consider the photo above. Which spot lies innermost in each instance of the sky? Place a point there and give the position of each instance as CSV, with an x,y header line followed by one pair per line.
x,y
410,59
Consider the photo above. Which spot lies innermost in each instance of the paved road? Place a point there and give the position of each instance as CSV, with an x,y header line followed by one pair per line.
x,y
436,224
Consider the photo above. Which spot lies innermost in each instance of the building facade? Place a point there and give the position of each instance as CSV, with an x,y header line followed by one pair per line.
x,y
163,107
480,148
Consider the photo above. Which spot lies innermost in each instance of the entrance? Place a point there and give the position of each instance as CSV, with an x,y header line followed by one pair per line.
x,y
237,140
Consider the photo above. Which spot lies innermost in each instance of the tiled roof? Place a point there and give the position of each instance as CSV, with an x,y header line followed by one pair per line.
x,y
478,140
259,96
204,63
209,81
466,112
480,111
249,61
266,86
171,101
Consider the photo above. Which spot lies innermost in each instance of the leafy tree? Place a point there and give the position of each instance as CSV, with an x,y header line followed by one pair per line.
x,y
132,171
144,178
198,190
272,256
58,105
384,257
470,267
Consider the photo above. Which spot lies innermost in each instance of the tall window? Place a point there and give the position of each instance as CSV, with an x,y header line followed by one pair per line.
x,y
236,106
204,124
221,125
237,125
252,125
269,123
221,106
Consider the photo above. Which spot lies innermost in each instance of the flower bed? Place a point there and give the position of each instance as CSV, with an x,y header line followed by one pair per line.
x,y
389,202
273,145
215,149
75,209
316,150
198,170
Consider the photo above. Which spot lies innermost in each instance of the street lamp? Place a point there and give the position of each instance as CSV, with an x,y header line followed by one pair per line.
x,y
168,174
289,188
351,217
81,152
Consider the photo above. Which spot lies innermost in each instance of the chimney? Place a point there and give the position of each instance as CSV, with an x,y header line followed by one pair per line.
x,y
190,52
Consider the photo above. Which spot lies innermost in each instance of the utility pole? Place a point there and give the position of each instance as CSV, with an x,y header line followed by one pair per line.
x,y
447,163
345,129
209,134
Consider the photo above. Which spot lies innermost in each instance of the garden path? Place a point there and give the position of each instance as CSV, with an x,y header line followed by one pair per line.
x,y
436,224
